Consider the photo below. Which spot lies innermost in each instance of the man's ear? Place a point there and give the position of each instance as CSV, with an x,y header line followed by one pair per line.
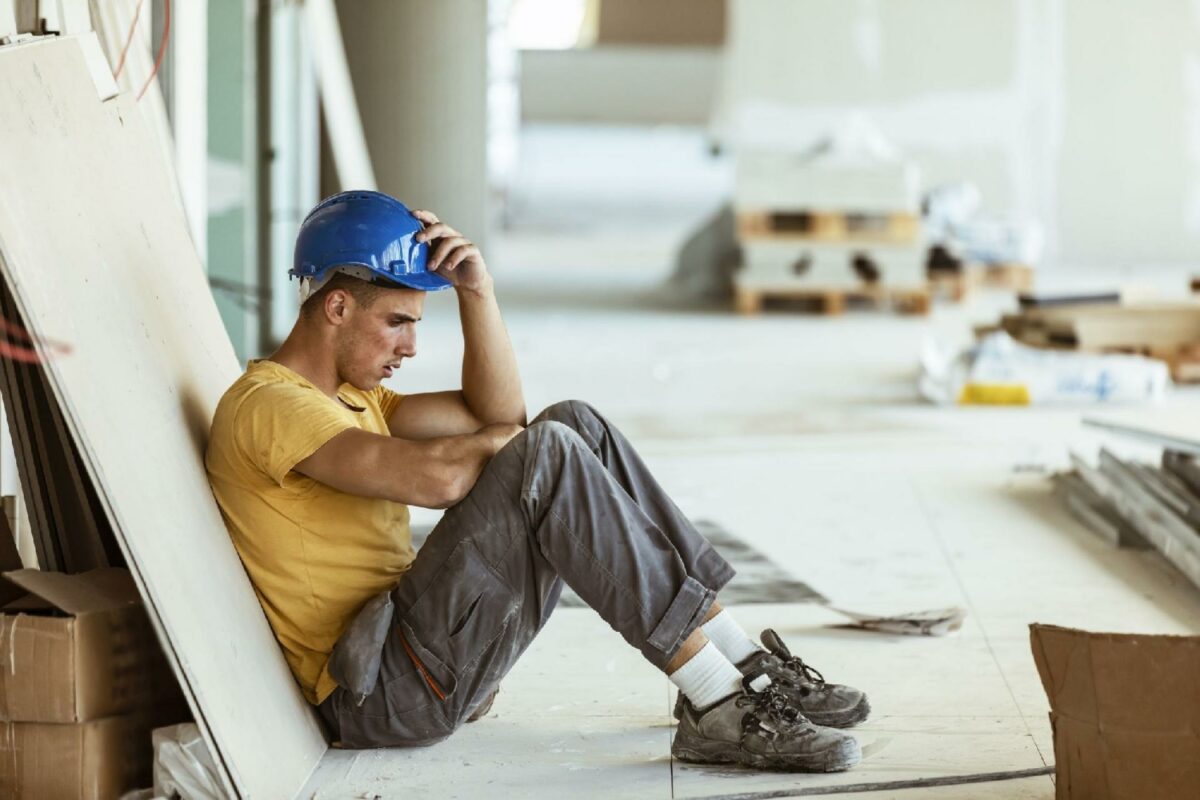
x,y
337,306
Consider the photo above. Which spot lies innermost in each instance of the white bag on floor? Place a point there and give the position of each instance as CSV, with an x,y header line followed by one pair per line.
x,y
1000,371
183,767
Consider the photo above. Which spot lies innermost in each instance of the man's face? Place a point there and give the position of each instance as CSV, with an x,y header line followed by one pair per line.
x,y
374,339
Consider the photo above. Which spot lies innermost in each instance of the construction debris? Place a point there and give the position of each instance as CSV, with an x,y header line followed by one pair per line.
x,y
183,765
1137,505
936,622
953,220
1169,332
969,250
1000,371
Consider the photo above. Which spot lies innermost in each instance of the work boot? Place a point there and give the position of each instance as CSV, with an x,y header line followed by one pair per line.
x,y
829,704
759,728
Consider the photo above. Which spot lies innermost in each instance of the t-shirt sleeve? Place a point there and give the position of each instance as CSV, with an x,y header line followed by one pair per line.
x,y
387,399
280,425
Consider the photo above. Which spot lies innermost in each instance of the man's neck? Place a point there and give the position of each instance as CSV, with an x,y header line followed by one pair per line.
x,y
296,353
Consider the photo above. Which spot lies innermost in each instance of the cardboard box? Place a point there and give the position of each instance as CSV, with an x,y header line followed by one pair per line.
x,y
97,760
1125,709
80,647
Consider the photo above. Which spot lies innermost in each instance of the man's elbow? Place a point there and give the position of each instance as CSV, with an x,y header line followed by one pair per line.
x,y
450,488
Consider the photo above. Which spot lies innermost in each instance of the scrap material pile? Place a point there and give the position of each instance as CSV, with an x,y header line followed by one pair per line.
x,y
1169,332
1070,350
1001,371
970,249
1140,506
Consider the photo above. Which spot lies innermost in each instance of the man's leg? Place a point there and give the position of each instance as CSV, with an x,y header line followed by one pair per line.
x,y
826,703
630,472
544,510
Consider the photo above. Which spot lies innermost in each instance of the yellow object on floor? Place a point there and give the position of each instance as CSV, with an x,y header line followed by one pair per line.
x,y
994,394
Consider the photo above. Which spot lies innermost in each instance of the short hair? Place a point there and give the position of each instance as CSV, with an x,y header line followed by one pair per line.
x,y
364,292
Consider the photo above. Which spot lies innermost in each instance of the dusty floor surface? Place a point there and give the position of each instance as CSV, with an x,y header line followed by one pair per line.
x,y
803,436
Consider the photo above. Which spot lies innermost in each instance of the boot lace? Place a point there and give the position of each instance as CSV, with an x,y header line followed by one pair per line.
x,y
808,673
772,712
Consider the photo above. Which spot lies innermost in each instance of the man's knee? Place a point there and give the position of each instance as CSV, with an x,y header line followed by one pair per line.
x,y
570,412
551,433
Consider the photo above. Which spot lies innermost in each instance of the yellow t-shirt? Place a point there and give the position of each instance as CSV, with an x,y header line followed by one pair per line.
x,y
314,554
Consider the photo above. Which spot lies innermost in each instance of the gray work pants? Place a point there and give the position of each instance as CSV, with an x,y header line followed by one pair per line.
x,y
567,500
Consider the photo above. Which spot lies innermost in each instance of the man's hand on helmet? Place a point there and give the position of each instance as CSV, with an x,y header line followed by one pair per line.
x,y
451,255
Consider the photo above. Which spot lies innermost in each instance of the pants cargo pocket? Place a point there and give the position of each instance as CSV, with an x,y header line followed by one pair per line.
x,y
462,612
402,711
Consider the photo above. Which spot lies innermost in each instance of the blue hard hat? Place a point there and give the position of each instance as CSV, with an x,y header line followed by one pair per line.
x,y
368,230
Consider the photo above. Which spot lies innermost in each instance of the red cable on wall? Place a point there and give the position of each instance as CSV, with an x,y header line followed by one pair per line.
x,y
162,46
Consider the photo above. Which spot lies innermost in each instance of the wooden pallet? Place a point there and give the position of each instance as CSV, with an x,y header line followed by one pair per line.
x,y
1018,277
958,285
830,226
829,301
953,285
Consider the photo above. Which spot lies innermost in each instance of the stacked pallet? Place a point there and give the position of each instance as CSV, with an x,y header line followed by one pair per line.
x,y
816,229
1167,331
962,279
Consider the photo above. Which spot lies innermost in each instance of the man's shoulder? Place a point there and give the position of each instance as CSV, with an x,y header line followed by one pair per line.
x,y
268,382
261,389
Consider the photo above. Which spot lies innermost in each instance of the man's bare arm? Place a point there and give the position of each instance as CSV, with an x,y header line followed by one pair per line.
x,y
435,473
491,382
430,415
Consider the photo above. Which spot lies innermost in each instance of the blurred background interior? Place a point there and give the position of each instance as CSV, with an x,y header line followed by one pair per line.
x,y
816,257
597,138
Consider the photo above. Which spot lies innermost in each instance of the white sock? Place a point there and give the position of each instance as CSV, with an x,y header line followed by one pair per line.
x,y
707,677
723,631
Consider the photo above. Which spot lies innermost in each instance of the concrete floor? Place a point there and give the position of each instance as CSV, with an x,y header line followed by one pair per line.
x,y
803,435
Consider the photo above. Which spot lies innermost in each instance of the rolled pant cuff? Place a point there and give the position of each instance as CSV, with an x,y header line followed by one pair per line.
x,y
684,616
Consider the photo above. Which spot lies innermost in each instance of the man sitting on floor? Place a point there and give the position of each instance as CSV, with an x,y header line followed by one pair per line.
x,y
314,464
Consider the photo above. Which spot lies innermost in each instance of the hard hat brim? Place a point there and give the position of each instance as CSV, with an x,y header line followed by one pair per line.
x,y
423,281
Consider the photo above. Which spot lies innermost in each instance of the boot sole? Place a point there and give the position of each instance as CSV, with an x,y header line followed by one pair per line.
x,y
838,719
705,751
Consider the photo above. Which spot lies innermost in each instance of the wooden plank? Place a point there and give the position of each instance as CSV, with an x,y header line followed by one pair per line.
x,y
71,537
342,120
69,515
830,226
150,361
1184,468
1169,534
48,553
1071,488
1175,428
749,295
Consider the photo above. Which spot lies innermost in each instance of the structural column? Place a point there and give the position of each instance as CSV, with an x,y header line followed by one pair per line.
x,y
420,76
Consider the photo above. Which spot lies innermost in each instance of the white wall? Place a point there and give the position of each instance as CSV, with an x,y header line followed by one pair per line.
x,y
620,84
1129,171
1064,111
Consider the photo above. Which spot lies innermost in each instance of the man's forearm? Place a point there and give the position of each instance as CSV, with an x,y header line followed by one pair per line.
x,y
491,383
463,458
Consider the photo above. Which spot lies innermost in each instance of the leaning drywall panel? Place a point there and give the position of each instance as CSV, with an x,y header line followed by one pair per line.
x,y
98,253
